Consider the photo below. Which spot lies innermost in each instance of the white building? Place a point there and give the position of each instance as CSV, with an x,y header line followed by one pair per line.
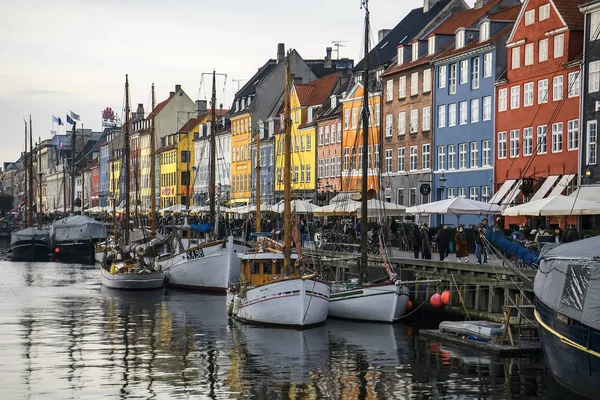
x,y
202,164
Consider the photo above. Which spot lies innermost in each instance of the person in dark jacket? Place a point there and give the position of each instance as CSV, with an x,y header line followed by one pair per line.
x,y
443,242
416,240
425,243
572,235
480,249
462,254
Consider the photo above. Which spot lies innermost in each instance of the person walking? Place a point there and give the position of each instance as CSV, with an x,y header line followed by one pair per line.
x,y
462,254
416,240
480,248
425,243
443,242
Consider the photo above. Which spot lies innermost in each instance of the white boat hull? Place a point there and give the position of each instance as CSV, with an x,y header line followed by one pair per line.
x,y
379,303
141,281
213,268
290,302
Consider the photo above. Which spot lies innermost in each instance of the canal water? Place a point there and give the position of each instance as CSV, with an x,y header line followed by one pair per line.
x,y
63,336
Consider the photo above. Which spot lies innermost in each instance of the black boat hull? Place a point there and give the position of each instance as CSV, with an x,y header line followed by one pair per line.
x,y
30,251
572,351
80,252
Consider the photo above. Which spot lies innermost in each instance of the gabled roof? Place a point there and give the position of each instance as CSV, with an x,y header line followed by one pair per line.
x,y
315,92
250,87
463,19
506,14
415,21
193,122
475,44
158,108
569,10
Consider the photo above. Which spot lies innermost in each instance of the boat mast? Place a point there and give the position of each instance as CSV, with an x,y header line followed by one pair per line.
x,y
82,170
26,168
114,185
257,191
40,182
287,172
73,140
153,171
126,156
64,182
213,154
30,172
365,159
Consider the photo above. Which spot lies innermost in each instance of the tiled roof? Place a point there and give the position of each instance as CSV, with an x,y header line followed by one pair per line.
x,y
303,92
569,10
385,51
166,148
452,51
463,19
160,106
250,87
506,14
193,122
315,92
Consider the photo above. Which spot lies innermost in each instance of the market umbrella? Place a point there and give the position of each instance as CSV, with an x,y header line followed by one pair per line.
x,y
298,206
554,206
456,206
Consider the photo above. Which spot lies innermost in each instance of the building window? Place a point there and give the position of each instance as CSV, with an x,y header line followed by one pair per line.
x,y
451,156
515,97
426,156
431,45
462,155
462,192
574,84
389,90
307,172
452,114
441,116
389,122
400,198
529,54
475,73
529,17
296,173
413,158
426,119
327,134
501,144
427,81
557,137
474,193
514,143
401,159
474,154
542,139
543,50
557,88
442,77
441,150
474,110
486,153
302,173
414,84
377,116
401,123
339,165
528,94
388,160
402,87
463,117
414,121
320,136
594,25
347,119
452,85
354,117
415,51
451,192
502,100
527,141
346,158
559,45
573,134
516,57
464,71
487,65
484,31
594,77
485,194
487,108
339,127
460,39
544,12
543,91
413,197
360,157
592,142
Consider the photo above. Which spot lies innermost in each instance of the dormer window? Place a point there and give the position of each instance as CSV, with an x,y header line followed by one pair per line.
x,y
271,126
310,114
431,45
400,54
460,39
249,100
415,51
333,102
484,31
243,103
282,119
261,129
237,105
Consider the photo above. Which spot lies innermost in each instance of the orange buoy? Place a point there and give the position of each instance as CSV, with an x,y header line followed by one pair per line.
x,y
410,305
446,297
57,250
436,300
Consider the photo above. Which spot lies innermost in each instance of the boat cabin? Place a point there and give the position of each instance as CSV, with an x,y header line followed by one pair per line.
x,y
262,267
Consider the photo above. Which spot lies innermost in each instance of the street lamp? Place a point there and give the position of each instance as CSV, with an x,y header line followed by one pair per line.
x,y
442,180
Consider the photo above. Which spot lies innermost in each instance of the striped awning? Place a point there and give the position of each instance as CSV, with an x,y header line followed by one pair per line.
x,y
562,184
501,193
546,186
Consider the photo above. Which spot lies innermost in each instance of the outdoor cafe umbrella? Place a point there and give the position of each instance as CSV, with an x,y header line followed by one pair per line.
x,y
554,206
456,206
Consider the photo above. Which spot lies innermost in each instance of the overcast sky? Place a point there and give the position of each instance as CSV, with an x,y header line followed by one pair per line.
x,y
66,55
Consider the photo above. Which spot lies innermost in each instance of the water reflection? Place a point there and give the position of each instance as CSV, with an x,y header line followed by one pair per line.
x,y
65,336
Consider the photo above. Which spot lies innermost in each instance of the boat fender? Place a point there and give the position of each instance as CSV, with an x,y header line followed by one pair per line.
x,y
398,282
230,308
236,305
113,269
274,277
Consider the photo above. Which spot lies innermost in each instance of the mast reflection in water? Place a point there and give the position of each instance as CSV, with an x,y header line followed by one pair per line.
x,y
64,336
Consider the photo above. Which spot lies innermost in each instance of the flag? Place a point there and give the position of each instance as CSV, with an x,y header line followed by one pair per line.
x,y
74,116
54,119
69,120
60,121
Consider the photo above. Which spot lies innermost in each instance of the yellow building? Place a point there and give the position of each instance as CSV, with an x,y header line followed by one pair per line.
x,y
168,176
176,167
241,163
305,103
114,164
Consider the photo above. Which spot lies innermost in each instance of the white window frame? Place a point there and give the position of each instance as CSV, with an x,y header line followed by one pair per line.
x,y
529,54
415,51
557,88
452,156
463,114
487,108
402,87
542,91
388,160
462,155
426,156
414,84
592,142
574,83
389,90
474,193
484,31
515,97
475,62
452,81
401,159
442,76
431,45
485,194
528,94
460,39
541,139
502,99
486,153
557,137
514,143
573,134
377,116
544,12
442,116
464,72
389,125
474,110
527,141
474,154
426,119
402,123
594,77
414,121
354,117
516,57
427,80
529,17
452,114
487,65
413,158
441,158
594,23
347,119
559,45
502,145
543,50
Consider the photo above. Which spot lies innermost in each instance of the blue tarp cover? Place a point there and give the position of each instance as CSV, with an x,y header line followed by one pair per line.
x,y
202,228
502,243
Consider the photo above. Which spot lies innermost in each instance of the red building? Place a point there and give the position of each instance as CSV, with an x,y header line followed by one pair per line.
x,y
95,184
537,105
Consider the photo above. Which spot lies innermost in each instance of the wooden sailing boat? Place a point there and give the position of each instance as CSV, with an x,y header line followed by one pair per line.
x,y
209,264
385,301
272,290
30,244
132,267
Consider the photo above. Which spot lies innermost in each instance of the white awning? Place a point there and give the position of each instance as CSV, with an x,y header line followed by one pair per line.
x,y
499,195
512,195
562,184
546,186
591,192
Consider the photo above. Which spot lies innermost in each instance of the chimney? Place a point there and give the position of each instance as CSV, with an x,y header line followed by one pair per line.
x,y
382,33
140,110
177,88
171,94
480,3
201,107
428,4
328,63
280,52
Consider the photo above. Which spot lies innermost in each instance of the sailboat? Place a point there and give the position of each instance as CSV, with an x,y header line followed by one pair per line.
x,y
206,265
272,291
131,267
31,243
385,301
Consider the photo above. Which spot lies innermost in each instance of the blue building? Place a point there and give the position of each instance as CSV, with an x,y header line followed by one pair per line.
x,y
267,162
463,139
104,157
